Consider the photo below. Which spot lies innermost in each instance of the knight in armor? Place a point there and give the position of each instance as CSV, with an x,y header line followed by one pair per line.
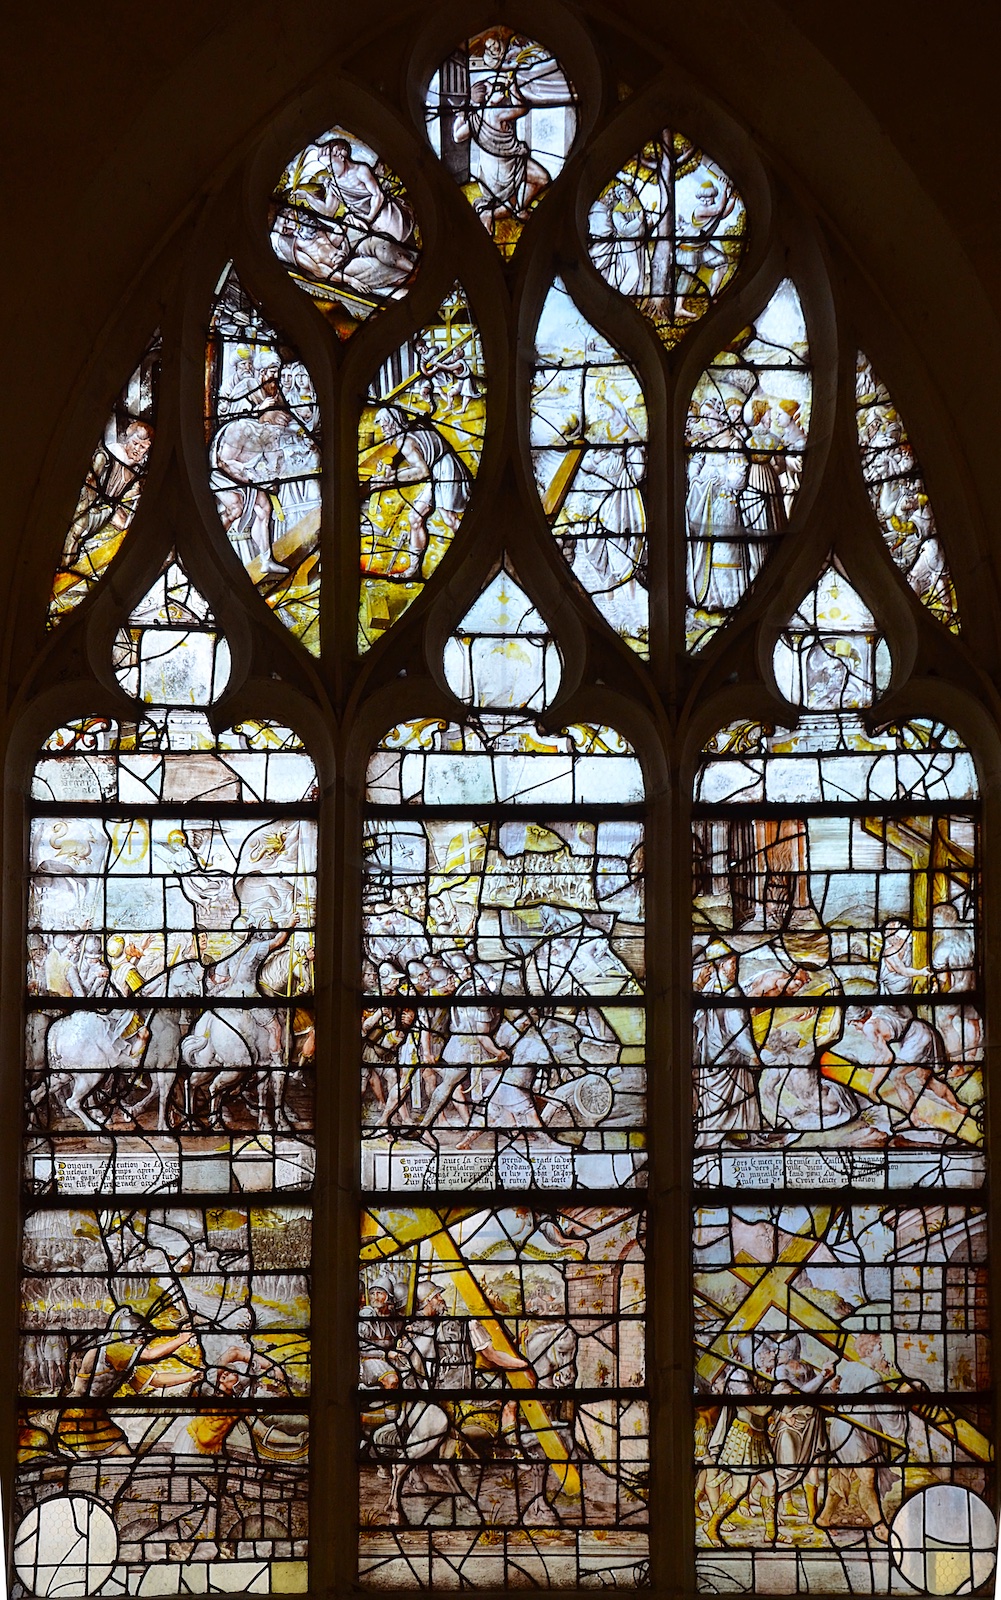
x,y
379,1327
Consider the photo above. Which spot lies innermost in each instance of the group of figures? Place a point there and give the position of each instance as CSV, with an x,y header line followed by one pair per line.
x,y
830,1334
226,1289
669,232
146,911
843,1366
488,1340
787,1056
899,497
171,916
546,1095
745,437
344,229
835,956
168,1098
503,1050
164,1363
148,907
459,915
515,907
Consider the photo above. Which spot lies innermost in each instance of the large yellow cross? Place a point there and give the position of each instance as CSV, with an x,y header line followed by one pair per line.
x,y
562,481
434,1228
773,1287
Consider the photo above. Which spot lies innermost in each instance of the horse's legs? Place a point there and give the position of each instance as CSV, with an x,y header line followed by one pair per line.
x,y
394,1505
220,1083
81,1088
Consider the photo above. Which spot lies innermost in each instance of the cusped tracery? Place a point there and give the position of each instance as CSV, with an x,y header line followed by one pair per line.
x,y
111,490
263,433
343,226
745,438
831,1115
589,454
420,441
501,116
669,232
899,497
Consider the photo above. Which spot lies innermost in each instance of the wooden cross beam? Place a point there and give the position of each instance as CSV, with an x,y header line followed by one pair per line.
x,y
434,1228
772,1287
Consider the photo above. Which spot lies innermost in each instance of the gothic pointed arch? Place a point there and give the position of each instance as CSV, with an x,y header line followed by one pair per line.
x,y
506,739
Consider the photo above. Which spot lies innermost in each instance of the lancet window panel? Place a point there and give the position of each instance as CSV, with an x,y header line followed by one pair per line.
x,y
264,438
502,1334
168,1147
669,231
419,448
589,457
501,117
343,226
745,435
838,1040
111,491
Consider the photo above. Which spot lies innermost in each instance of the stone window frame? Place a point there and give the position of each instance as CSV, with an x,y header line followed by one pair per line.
x,y
340,705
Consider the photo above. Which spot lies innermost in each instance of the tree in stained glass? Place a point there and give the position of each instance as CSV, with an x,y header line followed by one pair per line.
x,y
745,436
263,433
420,442
502,115
343,227
168,1146
669,232
111,490
589,454
899,497
501,1357
842,1358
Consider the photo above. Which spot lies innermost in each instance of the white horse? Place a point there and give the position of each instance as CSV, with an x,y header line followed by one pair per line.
x,y
230,1050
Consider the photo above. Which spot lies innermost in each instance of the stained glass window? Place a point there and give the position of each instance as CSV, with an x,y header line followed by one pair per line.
x,y
419,450
745,437
111,490
168,1147
669,232
501,115
263,428
842,1351
344,228
510,555
589,432
502,1354
899,497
